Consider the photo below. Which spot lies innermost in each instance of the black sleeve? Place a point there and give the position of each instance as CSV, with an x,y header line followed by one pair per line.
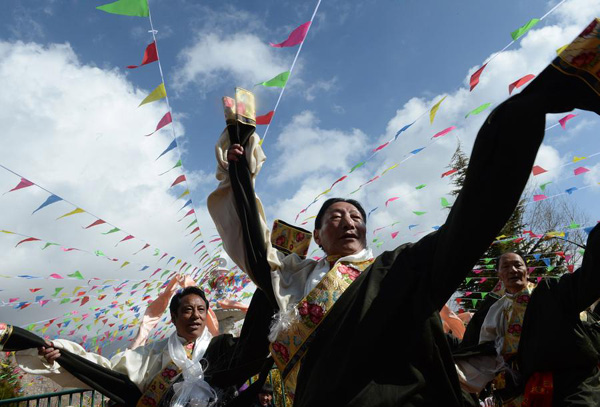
x,y
500,164
579,290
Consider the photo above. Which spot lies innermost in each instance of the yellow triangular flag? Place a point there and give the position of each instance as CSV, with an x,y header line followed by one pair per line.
x,y
561,49
8,232
124,264
434,110
391,168
186,192
157,94
575,159
73,212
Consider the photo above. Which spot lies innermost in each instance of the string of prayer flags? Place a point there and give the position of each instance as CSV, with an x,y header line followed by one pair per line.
x,y
134,8
159,93
22,184
73,212
434,110
277,82
178,180
564,120
150,55
166,119
444,132
518,33
169,148
475,78
519,82
580,170
296,37
51,199
537,170
478,109
178,164
265,119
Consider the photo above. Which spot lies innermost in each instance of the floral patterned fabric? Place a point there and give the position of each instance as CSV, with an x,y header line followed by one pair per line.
x,y
159,386
291,345
582,56
290,239
514,313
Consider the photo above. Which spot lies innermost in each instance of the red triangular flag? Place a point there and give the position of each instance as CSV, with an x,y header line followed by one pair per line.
x,y
166,119
520,82
29,239
147,245
475,77
452,171
96,223
178,180
537,170
265,119
150,55
128,237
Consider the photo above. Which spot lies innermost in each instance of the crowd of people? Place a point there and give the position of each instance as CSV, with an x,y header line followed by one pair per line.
x,y
330,325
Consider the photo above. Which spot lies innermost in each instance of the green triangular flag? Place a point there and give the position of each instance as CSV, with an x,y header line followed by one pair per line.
x,y
419,213
172,168
478,110
193,222
483,295
113,230
445,203
56,291
278,82
135,8
421,186
49,244
474,301
76,274
487,260
65,301
468,280
574,225
544,185
522,30
360,164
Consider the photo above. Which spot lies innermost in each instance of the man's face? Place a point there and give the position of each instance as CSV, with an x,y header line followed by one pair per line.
x,y
343,230
265,399
191,317
513,272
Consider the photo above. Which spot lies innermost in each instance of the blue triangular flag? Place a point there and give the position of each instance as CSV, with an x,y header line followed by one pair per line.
x,y
51,199
417,150
171,146
570,190
403,129
189,202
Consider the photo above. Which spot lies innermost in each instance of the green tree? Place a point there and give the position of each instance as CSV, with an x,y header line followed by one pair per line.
x,y
544,254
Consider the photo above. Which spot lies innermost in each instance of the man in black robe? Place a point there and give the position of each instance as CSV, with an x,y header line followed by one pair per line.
x,y
355,357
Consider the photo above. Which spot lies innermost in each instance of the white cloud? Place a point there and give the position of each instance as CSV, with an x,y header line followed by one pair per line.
x,y
76,130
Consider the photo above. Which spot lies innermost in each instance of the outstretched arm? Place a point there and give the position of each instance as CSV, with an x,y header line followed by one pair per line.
x,y
499,167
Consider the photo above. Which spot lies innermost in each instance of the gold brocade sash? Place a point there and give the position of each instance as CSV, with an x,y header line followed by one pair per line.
x,y
291,345
162,382
514,314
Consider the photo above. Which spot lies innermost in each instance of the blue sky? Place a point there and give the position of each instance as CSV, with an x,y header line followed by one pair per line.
x,y
72,124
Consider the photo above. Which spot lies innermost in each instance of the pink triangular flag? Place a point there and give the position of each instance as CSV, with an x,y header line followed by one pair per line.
x,y
296,37
128,237
391,200
57,276
166,119
520,82
381,147
96,223
539,197
580,170
394,234
564,120
23,184
444,132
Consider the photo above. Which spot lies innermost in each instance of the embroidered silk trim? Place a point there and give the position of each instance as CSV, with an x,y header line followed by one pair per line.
x,y
159,386
514,313
291,345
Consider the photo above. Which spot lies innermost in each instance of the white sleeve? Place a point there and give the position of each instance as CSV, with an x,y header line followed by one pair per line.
x,y
222,208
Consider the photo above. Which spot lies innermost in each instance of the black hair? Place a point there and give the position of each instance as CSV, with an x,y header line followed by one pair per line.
x,y
331,201
517,253
176,300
